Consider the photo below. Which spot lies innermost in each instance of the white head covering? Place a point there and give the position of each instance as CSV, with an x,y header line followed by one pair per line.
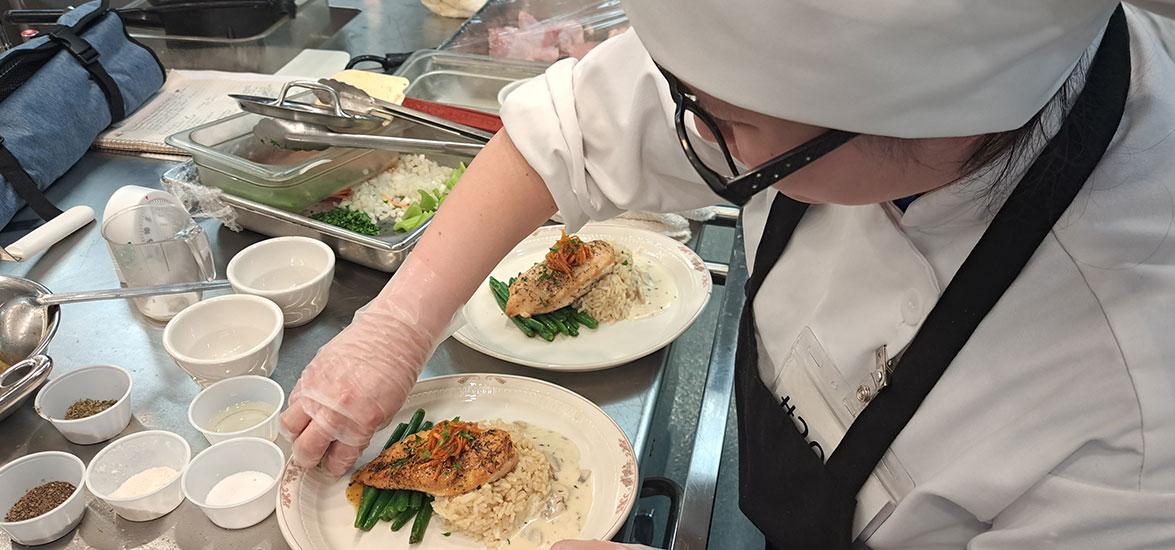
x,y
903,68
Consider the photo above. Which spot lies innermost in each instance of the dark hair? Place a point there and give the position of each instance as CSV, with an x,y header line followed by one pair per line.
x,y
1002,152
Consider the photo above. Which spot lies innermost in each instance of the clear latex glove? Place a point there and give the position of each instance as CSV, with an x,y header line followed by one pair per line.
x,y
596,545
359,379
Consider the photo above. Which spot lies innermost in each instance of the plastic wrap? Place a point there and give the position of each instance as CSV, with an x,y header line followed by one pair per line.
x,y
539,30
202,202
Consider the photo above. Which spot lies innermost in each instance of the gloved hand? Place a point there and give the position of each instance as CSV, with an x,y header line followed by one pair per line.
x,y
595,545
358,380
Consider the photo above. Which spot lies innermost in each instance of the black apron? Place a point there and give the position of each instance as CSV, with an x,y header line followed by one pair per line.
x,y
797,500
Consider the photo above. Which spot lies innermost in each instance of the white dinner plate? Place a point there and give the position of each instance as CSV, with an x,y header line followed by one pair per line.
x,y
489,331
314,514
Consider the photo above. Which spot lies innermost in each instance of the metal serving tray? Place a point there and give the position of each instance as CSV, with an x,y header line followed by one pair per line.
x,y
383,253
462,79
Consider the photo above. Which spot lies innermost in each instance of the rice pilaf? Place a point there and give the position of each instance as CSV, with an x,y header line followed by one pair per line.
x,y
495,511
613,296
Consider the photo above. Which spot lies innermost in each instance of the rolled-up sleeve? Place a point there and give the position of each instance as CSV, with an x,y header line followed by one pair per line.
x,y
600,133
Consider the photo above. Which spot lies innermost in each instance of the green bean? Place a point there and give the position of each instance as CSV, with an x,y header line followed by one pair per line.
x,y
402,519
365,503
389,511
549,323
518,321
548,334
417,500
559,323
587,320
568,320
421,523
426,426
529,332
414,423
568,316
397,434
401,500
377,509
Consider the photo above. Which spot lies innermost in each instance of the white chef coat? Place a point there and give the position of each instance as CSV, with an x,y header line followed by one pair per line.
x,y
1054,427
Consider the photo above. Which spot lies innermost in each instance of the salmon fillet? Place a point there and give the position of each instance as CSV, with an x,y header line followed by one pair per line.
x,y
543,290
487,457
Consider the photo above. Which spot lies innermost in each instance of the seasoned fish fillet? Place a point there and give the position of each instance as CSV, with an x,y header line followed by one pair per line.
x,y
410,464
542,289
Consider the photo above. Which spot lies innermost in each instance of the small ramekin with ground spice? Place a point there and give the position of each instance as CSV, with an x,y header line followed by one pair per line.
x,y
41,497
88,405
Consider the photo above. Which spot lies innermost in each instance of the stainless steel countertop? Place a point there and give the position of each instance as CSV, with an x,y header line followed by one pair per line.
x,y
113,332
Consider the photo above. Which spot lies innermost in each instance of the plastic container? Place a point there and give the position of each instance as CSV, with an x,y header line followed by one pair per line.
x,y
230,157
226,393
102,382
22,474
227,458
130,455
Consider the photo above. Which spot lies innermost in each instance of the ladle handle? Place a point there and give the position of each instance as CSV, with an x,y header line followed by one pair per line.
x,y
118,293
388,143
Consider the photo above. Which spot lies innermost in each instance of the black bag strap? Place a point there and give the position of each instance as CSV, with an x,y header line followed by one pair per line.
x,y
1031,211
23,184
89,59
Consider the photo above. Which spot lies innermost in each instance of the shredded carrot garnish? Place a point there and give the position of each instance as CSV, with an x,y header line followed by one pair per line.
x,y
447,440
567,253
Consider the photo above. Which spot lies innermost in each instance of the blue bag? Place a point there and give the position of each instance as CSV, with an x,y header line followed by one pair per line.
x,y
58,91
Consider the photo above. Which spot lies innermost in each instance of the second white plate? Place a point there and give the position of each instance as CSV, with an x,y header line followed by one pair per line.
x,y
489,331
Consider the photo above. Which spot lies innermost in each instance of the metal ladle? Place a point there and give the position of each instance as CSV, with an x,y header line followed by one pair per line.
x,y
289,134
27,318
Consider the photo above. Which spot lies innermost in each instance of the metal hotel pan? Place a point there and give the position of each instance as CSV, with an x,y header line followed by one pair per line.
x,y
379,253
466,80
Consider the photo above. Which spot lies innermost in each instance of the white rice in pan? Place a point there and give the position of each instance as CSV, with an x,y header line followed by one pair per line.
x,y
495,511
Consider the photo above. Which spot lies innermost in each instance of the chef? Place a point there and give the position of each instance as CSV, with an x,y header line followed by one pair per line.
x,y
958,216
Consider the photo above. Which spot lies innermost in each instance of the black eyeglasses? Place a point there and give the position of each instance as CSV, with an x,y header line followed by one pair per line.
x,y
739,188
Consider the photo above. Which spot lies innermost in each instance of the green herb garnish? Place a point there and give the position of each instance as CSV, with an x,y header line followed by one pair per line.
x,y
351,220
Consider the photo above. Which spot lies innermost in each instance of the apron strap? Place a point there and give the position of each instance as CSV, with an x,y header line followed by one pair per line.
x,y
781,223
1015,233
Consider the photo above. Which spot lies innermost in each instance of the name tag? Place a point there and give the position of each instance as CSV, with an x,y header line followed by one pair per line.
x,y
823,403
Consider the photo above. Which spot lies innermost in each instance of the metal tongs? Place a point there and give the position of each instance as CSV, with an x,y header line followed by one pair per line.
x,y
348,111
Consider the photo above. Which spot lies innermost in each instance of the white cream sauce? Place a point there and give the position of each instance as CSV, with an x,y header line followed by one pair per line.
x,y
562,513
656,287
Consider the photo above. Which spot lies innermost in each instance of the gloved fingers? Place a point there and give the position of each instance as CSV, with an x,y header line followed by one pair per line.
x,y
340,457
311,445
294,421
594,545
340,426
